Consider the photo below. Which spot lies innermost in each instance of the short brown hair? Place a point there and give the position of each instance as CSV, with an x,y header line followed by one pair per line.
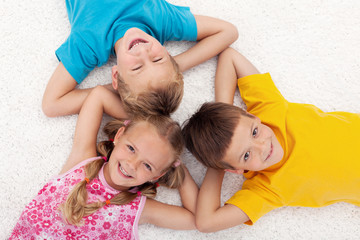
x,y
208,132
160,101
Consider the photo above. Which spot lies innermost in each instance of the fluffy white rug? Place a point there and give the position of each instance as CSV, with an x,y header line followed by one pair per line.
x,y
310,47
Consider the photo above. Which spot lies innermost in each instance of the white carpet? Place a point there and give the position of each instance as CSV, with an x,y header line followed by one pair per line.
x,y
310,47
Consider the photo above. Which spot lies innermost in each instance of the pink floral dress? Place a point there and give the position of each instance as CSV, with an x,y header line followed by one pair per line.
x,y
42,219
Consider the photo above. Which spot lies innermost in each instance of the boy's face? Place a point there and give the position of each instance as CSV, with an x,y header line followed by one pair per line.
x,y
253,146
142,61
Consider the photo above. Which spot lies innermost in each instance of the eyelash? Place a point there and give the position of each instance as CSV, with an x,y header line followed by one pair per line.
x,y
137,68
131,148
148,167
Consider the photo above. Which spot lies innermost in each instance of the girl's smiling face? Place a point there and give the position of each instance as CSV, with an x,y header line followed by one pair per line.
x,y
253,146
140,155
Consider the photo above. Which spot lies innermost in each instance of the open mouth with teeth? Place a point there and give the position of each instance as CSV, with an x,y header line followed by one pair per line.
x,y
136,42
124,172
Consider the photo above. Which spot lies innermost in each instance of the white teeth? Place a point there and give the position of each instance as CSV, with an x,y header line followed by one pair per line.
x,y
136,43
123,172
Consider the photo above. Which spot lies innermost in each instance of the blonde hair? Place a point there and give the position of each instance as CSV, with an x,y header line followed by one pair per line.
x,y
76,206
163,101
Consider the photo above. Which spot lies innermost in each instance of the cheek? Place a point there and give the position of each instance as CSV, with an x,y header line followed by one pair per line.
x,y
124,62
266,131
118,153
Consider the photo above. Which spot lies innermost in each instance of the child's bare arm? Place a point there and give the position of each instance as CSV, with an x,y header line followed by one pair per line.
x,y
99,100
231,66
214,36
60,96
167,216
170,216
189,192
210,216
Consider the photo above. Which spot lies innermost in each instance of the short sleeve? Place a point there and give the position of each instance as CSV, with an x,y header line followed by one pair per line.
x,y
255,202
180,24
258,90
77,57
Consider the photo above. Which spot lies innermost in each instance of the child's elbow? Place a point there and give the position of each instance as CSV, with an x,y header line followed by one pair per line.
x,y
232,32
203,225
49,108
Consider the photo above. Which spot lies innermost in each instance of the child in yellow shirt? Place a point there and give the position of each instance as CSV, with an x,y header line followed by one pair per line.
x,y
291,154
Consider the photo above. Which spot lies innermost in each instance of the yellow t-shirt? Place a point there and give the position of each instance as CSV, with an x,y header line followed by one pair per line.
x,y
321,163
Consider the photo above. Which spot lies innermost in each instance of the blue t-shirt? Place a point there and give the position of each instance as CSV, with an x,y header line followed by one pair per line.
x,y
96,25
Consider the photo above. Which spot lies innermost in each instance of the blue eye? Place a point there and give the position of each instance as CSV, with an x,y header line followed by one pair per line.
x,y
131,148
147,166
246,156
255,131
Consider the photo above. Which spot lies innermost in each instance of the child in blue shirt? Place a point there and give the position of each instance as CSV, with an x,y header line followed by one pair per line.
x,y
134,31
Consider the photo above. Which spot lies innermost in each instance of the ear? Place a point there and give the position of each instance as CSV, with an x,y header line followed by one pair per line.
x,y
119,133
237,171
114,74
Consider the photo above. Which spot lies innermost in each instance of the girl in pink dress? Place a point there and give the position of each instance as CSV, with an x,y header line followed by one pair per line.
x,y
106,197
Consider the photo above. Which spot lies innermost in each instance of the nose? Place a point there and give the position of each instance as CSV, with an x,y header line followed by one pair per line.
x,y
260,146
145,48
132,163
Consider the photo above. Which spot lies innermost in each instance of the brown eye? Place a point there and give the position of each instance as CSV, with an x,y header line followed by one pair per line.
x,y
246,156
254,133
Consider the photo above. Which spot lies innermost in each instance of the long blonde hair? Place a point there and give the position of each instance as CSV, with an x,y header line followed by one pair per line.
x,y
76,206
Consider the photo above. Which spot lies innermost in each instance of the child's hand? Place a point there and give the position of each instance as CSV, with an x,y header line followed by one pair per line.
x,y
214,35
231,66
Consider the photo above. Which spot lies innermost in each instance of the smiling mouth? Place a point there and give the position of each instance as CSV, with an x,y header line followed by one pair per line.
x,y
124,172
270,153
136,42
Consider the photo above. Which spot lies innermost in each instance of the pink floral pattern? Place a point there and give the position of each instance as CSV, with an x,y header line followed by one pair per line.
x,y
42,219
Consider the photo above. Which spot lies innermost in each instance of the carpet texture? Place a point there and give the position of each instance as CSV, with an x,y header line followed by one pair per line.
x,y
311,48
